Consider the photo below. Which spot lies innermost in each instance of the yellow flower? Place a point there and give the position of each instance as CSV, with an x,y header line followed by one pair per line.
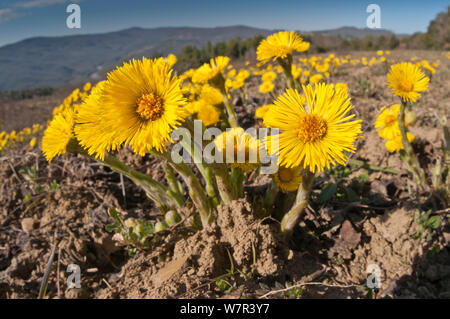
x,y
342,87
243,149
315,78
58,134
387,123
380,52
266,87
426,65
287,179
296,72
243,75
209,71
171,59
280,45
406,80
316,136
396,144
33,142
87,87
211,95
139,105
322,67
207,113
269,76
261,111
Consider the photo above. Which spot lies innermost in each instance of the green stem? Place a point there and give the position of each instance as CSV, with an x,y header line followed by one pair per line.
x,y
196,192
286,64
270,196
290,218
232,118
224,184
174,185
163,197
409,156
204,169
237,181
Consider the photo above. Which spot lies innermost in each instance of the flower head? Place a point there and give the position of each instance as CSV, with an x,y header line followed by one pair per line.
x,y
139,105
58,134
261,111
288,179
280,45
211,95
209,71
243,149
206,112
406,80
395,144
387,122
266,87
316,135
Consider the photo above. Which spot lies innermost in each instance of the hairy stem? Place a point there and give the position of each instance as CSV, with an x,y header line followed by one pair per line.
x,y
290,219
163,197
409,156
196,191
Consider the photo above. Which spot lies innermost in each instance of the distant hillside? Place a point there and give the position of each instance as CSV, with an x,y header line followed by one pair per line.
x,y
352,32
53,61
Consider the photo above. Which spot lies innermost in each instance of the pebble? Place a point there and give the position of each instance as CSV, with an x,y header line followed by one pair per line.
x,y
27,224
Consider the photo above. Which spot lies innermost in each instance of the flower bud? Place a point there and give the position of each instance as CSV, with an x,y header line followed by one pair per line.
x,y
160,226
410,118
172,217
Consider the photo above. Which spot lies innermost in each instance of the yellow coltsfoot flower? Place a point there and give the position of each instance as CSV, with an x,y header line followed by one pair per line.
x,y
139,105
243,149
406,80
315,135
288,179
266,87
261,111
280,45
395,144
387,122
210,71
58,134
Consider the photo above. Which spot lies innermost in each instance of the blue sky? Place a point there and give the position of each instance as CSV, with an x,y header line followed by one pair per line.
x,y
20,19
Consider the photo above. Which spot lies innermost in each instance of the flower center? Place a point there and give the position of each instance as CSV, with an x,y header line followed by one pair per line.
x,y
406,86
150,107
311,128
285,175
390,120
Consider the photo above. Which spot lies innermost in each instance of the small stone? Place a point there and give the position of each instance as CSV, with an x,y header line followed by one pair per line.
x,y
77,293
27,224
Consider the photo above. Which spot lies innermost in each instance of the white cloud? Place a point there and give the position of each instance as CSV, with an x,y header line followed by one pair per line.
x,y
37,3
6,15
17,9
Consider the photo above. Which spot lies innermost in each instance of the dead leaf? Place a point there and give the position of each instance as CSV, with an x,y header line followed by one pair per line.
x,y
169,270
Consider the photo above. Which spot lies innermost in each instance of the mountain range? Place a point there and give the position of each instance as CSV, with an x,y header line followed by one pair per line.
x,y
54,61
